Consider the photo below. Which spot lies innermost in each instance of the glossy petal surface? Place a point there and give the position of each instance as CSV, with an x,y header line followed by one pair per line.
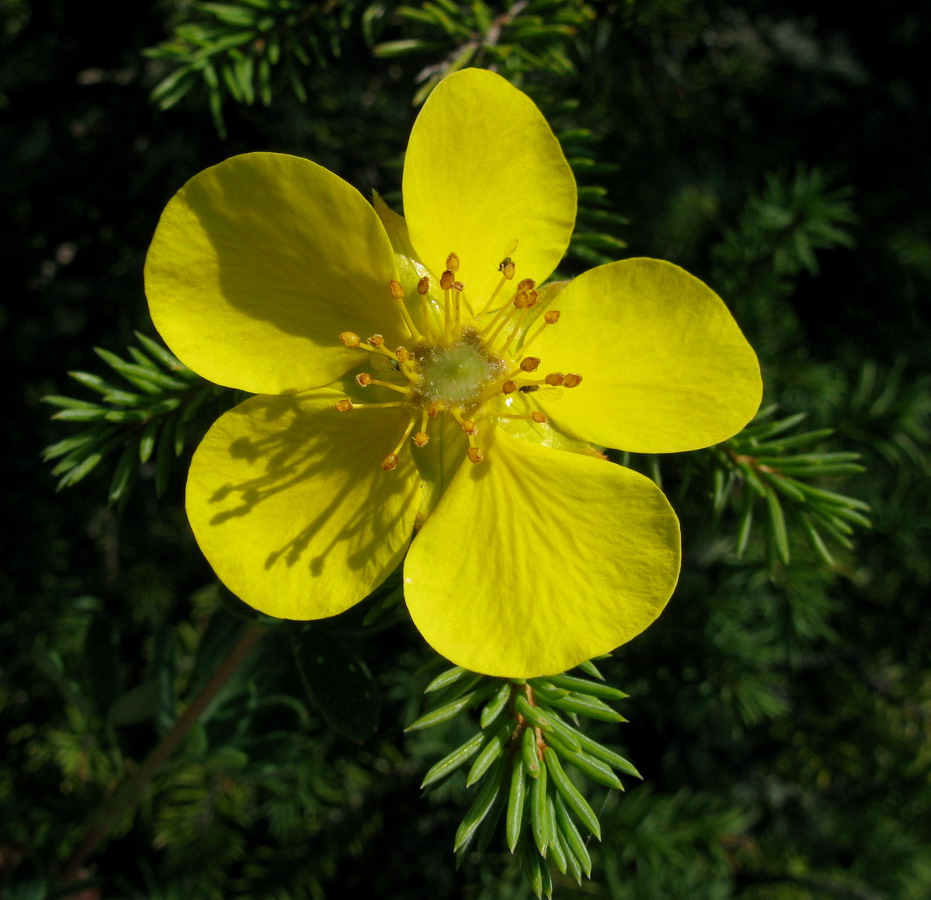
x,y
259,263
665,366
290,505
538,559
485,177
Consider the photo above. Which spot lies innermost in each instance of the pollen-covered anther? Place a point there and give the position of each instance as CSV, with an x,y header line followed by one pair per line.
x,y
344,405
458,286
446,280
522,299
572,379
350,339
508,387
532,297
390,462
423,285
403,354
555,379
526,284
551,317
452,262
530,363
397,291
434,409
363,379
469,427
475,455
539,418
376,340
506,267
421,439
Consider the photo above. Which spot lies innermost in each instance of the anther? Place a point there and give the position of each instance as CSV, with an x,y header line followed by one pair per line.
x,y
506,268
539,417
350,339
452,262
528,284
551,317
475,455
364,379
469,427
508,387
446,280
554,379
376,340
458,286
403,354
434,409
423,285
396,290
421,439
530,363
344,405
572,380
522,299
532,298
390,462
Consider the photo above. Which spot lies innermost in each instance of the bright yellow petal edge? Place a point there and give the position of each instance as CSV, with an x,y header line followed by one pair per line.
x,y
540,559
288,501
259,263
485,177
666,368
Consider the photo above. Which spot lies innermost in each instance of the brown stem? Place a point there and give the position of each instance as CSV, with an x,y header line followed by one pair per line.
x,y
131,788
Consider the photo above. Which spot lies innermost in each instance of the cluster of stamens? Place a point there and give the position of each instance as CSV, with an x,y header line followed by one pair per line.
x,y
455,364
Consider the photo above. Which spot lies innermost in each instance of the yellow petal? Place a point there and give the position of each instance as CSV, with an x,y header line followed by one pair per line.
x,y
537,559
291,507
259,263
665,367
484,177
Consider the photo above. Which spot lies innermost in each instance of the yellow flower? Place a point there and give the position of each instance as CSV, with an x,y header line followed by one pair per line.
x,y
418,389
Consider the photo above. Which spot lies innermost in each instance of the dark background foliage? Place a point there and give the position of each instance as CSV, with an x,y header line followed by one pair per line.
x,y
779,713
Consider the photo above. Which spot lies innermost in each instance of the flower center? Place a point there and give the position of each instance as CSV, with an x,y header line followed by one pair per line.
x,y
456,375
461,360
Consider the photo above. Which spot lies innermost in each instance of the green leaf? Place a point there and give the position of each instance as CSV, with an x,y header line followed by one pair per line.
x,y
495,743
481,806
496,705
571,794
539,811
452,761
516,801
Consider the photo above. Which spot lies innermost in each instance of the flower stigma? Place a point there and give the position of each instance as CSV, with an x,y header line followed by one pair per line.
x,y
459,361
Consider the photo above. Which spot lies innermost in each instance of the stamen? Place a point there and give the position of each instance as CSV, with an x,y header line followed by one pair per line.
x,y
452,262
572,380
391,460
475,455
376,340
422,287
421,438
397,291
555,379
364,379
539,417
344,405
402,354
350,339
508,387
388,384
506,268
530,363
550,317
446,282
